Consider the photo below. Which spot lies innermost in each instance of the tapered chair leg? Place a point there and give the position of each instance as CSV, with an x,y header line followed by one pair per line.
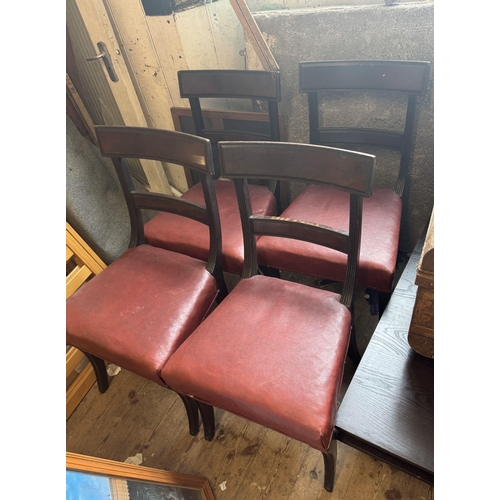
x,y
330,461
353,351
100,372
192,413
270,271
383,300
208,419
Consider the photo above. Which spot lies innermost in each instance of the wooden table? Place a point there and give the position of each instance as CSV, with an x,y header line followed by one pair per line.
x,y
388,409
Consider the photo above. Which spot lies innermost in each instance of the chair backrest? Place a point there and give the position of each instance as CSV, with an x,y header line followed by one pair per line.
x,y
122,143
341,169
408,78
262,86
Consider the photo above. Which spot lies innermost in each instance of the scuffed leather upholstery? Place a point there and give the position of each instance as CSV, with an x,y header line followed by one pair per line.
x,y
257,356
191,238
147,302
326,206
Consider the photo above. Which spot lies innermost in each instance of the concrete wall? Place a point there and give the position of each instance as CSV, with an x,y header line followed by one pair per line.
x,y
401,31
95,205
261,5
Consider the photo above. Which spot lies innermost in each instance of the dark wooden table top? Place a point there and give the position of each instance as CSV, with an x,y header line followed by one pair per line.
x,y
388,409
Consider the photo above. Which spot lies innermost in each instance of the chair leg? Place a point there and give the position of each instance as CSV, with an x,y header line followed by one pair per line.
x,y
208,419
372,296
192,413
330,461
100,372
378,301
270,271
322,283
383,300
352,350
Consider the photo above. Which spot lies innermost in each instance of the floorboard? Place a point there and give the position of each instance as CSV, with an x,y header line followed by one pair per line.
x,y
245,460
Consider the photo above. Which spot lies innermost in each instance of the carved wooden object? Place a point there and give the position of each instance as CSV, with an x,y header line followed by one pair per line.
x,y
421,333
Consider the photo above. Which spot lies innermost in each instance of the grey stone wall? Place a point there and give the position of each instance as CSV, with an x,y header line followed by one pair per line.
x,y
397,32
95,205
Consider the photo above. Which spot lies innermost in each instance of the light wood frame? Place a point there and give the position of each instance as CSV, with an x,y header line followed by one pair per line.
x,y
87,264
254,35
118,470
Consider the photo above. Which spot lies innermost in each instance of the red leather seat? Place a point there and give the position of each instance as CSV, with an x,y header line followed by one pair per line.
x,y
141,309
191,237
379,237
273,351
256,358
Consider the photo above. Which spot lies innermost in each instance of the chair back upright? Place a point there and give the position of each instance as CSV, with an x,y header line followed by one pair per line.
x,y
341,169
409,78
261,86
122,143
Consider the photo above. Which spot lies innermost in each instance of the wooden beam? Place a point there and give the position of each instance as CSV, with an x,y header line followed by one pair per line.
x,y
80,108
87,263
254,35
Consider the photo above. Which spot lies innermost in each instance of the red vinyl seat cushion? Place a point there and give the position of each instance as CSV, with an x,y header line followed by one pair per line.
x,y
326,206
138,311
272,352
190,237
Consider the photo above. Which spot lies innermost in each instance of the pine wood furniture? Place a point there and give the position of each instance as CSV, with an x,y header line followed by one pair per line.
x,y
388,409
81,264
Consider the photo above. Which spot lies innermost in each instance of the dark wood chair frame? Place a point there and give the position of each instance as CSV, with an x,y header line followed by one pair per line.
x,y
284,161
120,143
262,86
408,78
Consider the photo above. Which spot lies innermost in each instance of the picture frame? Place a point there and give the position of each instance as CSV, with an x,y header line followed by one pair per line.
x,y
245,121
94,478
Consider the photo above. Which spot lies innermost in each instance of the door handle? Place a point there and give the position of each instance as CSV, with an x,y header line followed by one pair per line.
x,y
104,55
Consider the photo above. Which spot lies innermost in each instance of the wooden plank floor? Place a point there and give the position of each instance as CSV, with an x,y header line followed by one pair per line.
x,y
136,416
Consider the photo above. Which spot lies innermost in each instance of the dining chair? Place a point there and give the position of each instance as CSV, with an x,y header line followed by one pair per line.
x,y
273,351
139,310
358,125
167,230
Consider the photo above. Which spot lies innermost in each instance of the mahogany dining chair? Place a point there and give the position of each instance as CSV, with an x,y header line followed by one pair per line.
x,y
273,351
167,230
140,309
363,124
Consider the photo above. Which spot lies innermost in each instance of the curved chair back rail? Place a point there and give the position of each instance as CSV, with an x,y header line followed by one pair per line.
x,y
342,169
156,144
409,78
264,85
